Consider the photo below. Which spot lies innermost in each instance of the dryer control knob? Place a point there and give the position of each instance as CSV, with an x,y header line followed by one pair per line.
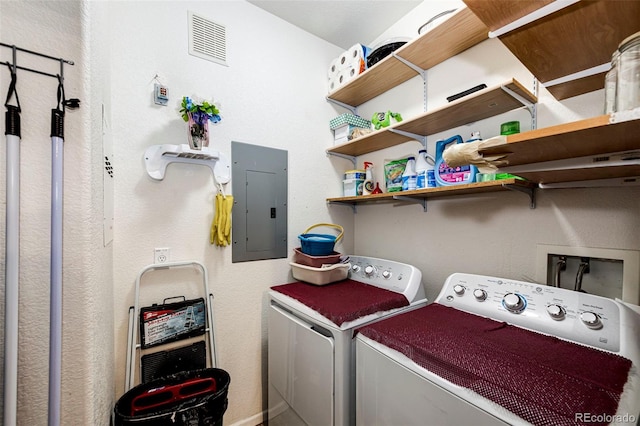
x,y
556,312
480,294
514,302
369,270
386,274
355,268
591,320
458,289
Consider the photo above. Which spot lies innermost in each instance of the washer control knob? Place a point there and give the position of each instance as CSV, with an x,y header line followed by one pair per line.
x,y
355,268
480,294
386,274
369,270
458,289
514,302
556,312
591,320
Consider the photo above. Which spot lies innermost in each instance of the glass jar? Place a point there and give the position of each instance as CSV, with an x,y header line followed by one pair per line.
x,y
610,82
628,86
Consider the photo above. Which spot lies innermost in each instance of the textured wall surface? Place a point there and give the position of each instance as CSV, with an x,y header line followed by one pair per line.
x,y
271,94
60,29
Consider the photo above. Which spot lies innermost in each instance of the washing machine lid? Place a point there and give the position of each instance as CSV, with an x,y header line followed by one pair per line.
x,y
343,303
539,378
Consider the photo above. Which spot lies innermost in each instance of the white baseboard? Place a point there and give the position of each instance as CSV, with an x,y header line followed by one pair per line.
x,y
251,421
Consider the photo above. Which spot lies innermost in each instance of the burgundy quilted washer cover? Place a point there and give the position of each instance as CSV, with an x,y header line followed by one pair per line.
x,y
540,378
345,300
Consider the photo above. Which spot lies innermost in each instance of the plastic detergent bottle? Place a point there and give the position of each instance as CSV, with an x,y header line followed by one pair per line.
x,y
367,188
409,176
425,171
446,175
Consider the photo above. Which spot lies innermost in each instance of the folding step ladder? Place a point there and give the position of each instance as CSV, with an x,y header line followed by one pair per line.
x,y
134,346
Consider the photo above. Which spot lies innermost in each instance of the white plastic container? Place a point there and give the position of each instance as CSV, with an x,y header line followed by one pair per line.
x,y
320,276
409,177
352,187
425,171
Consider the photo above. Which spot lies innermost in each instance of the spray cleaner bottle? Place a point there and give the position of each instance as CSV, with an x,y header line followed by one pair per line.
x,y
368,188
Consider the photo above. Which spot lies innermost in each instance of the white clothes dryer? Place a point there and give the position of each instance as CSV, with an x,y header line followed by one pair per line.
x,y
311,346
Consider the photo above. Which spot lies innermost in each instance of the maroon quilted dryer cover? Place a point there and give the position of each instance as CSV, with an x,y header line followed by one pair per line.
x,y
343,301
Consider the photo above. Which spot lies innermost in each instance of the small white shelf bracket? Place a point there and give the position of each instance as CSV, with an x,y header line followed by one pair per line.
x,y
533,16
345,156
421,72
598,69
405,198
420,138
158,157
353,109
531,107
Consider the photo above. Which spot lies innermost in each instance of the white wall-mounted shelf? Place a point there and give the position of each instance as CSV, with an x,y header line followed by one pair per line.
x,y
158,157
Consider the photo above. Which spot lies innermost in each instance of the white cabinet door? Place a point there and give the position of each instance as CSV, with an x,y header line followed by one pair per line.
x,y
301,367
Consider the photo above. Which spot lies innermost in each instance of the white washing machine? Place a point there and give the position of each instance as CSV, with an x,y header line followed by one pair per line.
x,y
494,351
311,345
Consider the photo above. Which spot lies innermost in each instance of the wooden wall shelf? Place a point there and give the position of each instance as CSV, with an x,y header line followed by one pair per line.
x,y
595,136
459,32
580,37
477,106
442,191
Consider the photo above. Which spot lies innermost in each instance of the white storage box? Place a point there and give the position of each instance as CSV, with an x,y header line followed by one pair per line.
x,y
352,187
320,276
343,124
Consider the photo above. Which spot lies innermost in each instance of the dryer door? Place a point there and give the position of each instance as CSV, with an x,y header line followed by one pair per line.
x,y
301,368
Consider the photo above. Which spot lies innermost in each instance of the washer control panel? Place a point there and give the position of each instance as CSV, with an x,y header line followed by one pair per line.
x,y
579,317
388,274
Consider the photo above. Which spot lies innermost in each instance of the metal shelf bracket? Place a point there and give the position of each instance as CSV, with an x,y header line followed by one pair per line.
x,y
345,156
531,107
533,16
406,198
345,203
422,139
353,109
421,72
531,192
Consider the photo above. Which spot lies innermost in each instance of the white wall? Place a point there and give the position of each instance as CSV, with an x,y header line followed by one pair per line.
x,y
60,29
272,94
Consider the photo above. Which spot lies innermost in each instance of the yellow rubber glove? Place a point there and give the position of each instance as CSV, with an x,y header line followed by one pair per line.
x,y
215,224
221,220
228,206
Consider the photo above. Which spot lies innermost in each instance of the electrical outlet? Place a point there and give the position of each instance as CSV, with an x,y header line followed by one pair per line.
x,y
161,255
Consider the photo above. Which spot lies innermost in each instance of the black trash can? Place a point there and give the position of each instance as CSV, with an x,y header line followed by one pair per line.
x,y
195,397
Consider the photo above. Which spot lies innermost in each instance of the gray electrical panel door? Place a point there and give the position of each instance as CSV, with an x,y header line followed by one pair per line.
x,y
259,216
